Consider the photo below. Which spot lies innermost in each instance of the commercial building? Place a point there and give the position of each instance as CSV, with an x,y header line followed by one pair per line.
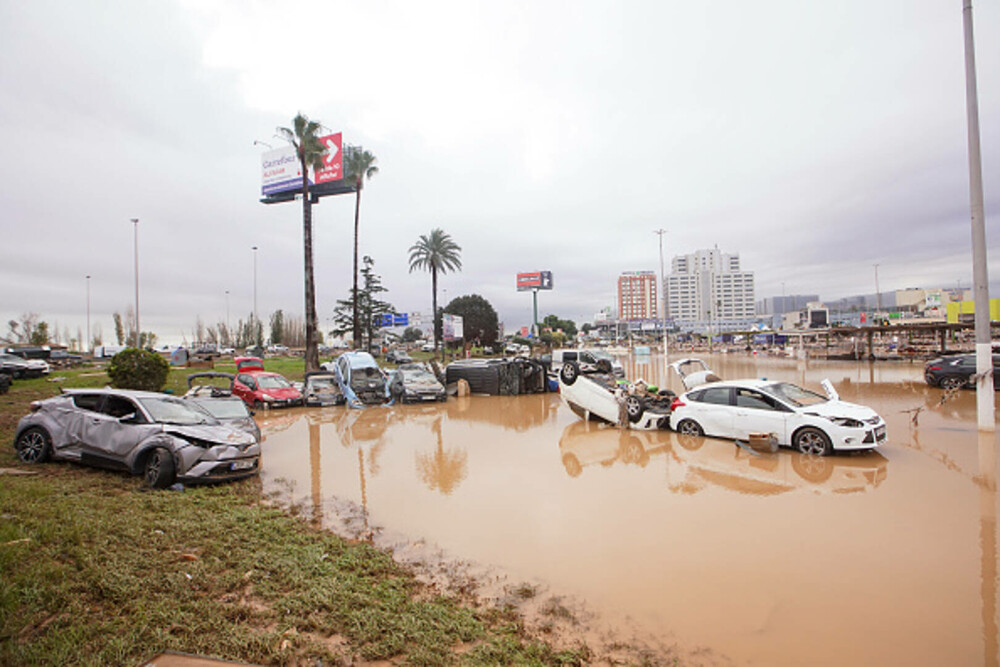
x,y
707,292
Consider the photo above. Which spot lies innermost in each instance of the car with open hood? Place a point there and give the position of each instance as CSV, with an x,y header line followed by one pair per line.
x,y
321,389
793,416
260,389
163,438
218,400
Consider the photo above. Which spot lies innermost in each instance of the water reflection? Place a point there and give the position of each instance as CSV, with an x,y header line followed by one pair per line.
x,y
442,469
694,463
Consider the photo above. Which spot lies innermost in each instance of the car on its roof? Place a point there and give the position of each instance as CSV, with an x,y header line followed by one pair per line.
x,y
599,395
957,371
163,438
793,416
260,388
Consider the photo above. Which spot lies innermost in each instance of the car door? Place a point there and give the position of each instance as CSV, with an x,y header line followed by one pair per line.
x,y
244,386
112,432
756,412
715,412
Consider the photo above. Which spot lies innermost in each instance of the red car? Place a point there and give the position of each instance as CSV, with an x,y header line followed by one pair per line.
x,y
258,388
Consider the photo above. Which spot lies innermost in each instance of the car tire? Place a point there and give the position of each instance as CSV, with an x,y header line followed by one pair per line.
x,y
569,372
811,440
34,445
634,408
953,382
690,427
158,470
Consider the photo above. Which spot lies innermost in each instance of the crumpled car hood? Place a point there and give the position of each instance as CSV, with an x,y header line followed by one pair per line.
x,y
841,409
422,385
223,435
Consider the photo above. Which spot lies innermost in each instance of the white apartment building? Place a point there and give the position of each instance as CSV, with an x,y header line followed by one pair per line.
x,y
707,291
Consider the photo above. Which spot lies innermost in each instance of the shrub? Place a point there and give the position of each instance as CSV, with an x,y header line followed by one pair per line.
x,y
133,368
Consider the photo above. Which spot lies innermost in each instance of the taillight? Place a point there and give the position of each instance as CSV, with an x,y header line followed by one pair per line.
x,y
677,403
933,368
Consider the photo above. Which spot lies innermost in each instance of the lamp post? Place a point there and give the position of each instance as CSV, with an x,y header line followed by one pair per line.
x,y
227,317
985,408
135,226
88,315
253,324
663,288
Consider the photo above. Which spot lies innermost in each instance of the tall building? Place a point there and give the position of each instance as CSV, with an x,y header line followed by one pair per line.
x,y
707,291
637,296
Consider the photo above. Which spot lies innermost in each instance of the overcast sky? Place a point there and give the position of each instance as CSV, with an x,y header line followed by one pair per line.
x,y
815,139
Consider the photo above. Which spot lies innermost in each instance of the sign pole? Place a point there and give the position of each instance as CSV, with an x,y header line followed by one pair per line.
x,y
534,298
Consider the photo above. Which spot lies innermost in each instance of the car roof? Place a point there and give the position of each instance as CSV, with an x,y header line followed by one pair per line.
x,y
111,391
753,383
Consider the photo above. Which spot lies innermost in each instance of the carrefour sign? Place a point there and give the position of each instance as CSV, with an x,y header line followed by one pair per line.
x,y
280,170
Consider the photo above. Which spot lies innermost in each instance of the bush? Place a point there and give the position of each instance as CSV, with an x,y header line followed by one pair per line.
x,y
133,368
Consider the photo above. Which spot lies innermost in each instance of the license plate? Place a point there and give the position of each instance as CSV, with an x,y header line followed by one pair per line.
x,y
880,433
242,465
428,397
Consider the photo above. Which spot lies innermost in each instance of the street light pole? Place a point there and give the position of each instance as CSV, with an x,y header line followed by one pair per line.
x,y
663,288
88,315
135,226
253,325
878,294
228,334
984,362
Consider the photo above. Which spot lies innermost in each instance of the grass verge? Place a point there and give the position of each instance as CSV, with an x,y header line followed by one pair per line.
x,y
96,570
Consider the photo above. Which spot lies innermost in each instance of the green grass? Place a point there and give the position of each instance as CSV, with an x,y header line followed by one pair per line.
x,y
96,570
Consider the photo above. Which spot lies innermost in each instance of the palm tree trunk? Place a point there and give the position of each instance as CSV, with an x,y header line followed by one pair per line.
x,y
434,306
312,354
357,211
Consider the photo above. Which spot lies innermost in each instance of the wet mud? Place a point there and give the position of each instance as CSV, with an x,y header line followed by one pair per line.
x,y
692,547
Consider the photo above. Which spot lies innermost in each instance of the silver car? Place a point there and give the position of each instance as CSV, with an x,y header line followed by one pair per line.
x,y
161,437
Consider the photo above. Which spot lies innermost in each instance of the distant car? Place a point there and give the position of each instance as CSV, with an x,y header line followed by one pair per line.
x,y
415,383
957,372
427,347
259,388
795,417
361,380
161,437
321,389
277,349
19,367
398,357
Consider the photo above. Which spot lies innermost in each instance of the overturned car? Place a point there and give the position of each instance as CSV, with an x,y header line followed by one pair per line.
x,y
600,396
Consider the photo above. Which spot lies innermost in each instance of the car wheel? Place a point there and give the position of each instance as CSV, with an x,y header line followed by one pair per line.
x,y
569,372
34,445
812,441
634,408
159,469
690,427
952,382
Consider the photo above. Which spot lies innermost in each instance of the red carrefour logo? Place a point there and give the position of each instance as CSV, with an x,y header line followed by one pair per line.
x,y
333,161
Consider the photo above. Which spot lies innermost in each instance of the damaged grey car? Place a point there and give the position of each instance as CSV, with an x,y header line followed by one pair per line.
x,y
160,437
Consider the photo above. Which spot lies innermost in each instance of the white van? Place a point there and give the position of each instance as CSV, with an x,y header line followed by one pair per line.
x,y
586,359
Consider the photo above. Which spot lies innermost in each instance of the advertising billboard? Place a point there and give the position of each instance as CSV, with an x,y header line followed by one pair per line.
x,y
452,327
534,280
280,170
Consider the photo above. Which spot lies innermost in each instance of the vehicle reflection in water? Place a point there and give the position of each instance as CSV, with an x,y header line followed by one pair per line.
x,y
677,534
694,462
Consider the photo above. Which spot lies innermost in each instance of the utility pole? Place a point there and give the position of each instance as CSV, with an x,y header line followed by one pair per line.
x,y
253,325
88,348
138,341
878,294
984,362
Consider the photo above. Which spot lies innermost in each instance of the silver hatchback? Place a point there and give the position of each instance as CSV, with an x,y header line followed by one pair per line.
x,y
161,437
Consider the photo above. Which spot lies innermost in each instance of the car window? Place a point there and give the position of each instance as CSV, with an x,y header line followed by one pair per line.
x,y
586,357
169,410
795,395
569,356
273,382
248,381
716,395
119,406
748,398
88,401
967,361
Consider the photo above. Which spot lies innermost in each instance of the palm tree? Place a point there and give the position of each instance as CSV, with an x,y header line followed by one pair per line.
x,y
304,137
435,253
359,164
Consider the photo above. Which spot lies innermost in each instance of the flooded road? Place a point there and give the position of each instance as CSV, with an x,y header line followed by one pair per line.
x,y
884,558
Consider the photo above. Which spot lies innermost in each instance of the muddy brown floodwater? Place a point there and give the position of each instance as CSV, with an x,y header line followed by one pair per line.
x,y
885,558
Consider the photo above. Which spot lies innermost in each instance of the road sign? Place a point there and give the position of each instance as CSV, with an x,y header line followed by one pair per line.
x,y
401,320
333,161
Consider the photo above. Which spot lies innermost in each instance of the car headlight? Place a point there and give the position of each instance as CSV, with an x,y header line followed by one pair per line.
x,y
847,422
268,398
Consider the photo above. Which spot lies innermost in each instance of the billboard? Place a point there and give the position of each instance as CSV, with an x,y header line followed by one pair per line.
x,y
452,327
280,170
534,280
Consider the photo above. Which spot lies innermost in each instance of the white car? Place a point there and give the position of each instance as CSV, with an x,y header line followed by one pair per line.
x,y
795,417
